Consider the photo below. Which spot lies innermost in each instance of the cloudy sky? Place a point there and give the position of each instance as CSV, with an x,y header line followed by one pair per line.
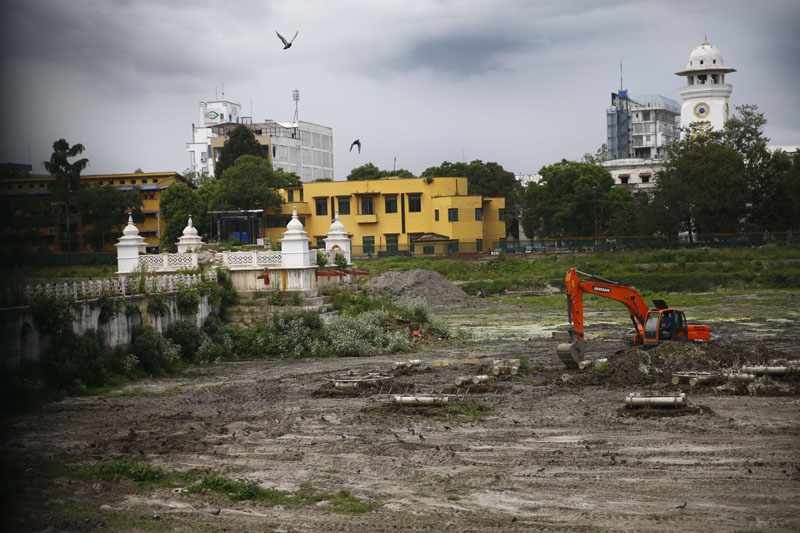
x,y
523,83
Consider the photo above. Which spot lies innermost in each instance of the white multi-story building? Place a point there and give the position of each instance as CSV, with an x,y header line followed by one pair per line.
x,y
294,146
641,127
705,96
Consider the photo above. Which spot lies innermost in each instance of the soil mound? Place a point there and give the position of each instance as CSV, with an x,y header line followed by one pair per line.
x,y
637,366
432,286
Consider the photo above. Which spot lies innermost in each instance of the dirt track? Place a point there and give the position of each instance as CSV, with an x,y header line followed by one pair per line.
x,y
548,455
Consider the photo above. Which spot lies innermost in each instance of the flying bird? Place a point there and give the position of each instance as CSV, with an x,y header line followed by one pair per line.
x,y
357,142
287,44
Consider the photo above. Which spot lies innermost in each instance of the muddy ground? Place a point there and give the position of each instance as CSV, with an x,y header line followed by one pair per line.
x,y
551,449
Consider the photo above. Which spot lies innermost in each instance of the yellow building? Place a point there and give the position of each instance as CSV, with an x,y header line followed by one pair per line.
x,y
149,184
417,215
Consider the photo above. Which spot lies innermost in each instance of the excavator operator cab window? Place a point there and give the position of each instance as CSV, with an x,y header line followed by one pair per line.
x,y
666,326
651,327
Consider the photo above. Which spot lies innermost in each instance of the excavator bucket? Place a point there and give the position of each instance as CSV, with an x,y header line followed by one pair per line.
x,y
571,353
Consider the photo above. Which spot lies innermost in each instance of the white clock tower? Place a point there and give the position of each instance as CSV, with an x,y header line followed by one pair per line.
x,y
705,97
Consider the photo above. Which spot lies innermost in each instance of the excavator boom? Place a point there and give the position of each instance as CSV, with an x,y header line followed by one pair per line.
x,y
601,287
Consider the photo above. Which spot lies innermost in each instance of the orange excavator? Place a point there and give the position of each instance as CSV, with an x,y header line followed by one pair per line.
x,y
650,326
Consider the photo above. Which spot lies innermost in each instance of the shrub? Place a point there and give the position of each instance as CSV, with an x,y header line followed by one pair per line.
x,y
186,335
73,362
53,316
322,259
340,261
276,298
299,333
364,334
155,352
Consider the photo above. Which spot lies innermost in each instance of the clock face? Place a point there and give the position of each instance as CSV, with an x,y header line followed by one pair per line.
x,y
701,110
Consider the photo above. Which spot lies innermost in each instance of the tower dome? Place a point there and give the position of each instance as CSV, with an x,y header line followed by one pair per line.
x,y
705,58
706,93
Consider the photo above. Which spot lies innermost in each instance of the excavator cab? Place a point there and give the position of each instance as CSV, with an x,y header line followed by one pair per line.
x,y
664,324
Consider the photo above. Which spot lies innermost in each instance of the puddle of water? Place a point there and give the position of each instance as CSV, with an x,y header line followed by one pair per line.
x,y
524,331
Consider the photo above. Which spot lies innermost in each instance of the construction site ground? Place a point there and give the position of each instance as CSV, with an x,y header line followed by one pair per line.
x,y
549,449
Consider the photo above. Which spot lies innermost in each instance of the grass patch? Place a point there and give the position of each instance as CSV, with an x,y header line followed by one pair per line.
x,y
199,481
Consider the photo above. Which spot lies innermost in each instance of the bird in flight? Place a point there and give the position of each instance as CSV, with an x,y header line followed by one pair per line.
x,y
357,142
287,44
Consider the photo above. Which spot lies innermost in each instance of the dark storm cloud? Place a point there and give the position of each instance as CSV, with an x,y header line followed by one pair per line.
x,y
123,44
461,54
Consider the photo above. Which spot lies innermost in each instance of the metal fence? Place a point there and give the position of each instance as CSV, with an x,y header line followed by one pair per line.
x,y
574,244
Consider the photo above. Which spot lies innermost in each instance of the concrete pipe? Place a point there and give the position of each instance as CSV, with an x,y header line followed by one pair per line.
x,y
420,400
771,370
583,365
741,376
345,384
655,401
476,380
701,380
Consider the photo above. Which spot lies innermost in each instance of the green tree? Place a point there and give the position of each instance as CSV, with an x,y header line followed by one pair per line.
x,y
106,209
175,204
573,199
240,142
196,178
765,171
598,157
22,220
703,187
251,183
371,172
67,181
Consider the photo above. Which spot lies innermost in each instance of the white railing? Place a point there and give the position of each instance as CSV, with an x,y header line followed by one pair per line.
x,y
87,290
269,258
251,260
167,262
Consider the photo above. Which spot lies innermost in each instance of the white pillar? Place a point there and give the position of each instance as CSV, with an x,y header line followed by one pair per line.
x,y
129,247
294,245
190,241
338,240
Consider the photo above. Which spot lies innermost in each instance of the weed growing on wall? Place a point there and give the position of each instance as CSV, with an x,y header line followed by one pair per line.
x,y
110,306
187,300
157,304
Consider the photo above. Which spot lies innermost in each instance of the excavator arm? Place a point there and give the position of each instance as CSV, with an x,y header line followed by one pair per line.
x,y
601,287
573,352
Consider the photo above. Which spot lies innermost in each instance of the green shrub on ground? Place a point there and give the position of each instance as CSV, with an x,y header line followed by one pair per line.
x,y
155,353
299,333
73,362
186,335
365,334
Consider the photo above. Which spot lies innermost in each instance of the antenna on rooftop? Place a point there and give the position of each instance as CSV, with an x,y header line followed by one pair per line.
x,y
621,87
296,98
223,91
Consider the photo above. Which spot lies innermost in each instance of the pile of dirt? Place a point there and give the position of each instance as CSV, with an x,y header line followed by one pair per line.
x,y
432,286
637,366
